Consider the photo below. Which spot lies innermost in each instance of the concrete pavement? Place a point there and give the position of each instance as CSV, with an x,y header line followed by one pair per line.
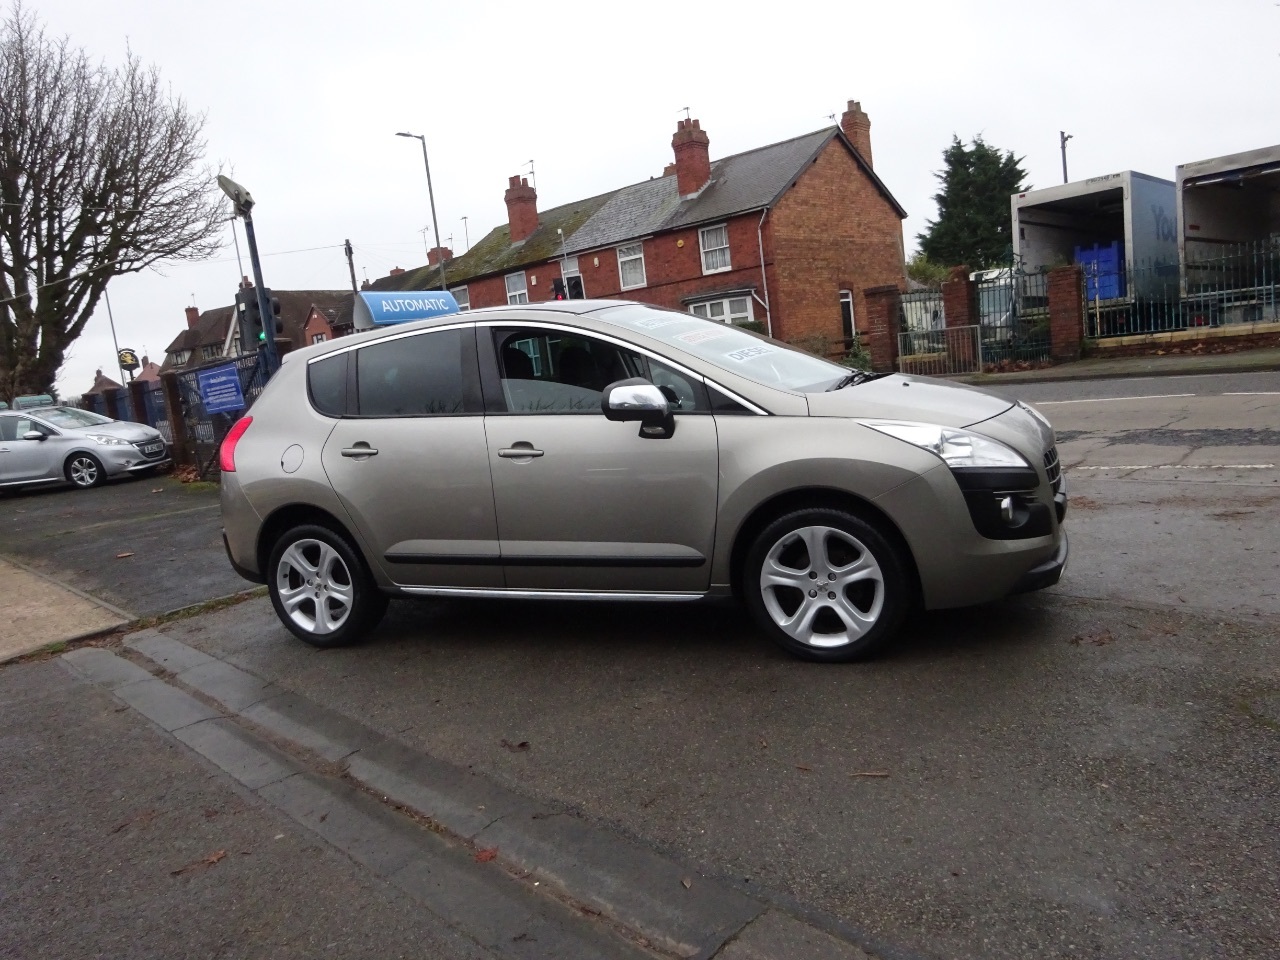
x,y
37,612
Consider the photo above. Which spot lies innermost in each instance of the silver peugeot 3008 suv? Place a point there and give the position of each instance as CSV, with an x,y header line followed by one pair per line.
x,y
611,450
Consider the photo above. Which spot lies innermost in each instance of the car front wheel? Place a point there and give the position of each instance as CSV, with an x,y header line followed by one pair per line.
x,y
84,470
321,589
826,585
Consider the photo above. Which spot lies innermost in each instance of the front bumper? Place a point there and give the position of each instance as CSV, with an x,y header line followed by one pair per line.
x,y
1047,574
117,460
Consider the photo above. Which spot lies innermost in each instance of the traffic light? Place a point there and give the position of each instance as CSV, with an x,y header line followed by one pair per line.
x,y
575,288
252,329
558,290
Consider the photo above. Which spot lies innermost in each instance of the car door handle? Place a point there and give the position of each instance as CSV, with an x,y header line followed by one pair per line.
x,y
360,450
519,451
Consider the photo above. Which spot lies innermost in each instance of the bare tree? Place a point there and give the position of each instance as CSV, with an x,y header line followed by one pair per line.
x,y
101,174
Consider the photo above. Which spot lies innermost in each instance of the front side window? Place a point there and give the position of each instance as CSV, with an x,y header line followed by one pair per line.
x,y
517,289
729,310
546,371
715,248
846,313
463,296
416,376
631,266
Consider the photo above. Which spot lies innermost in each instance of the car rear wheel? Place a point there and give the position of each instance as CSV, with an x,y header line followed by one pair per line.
x,y
321,589
826,585
84,470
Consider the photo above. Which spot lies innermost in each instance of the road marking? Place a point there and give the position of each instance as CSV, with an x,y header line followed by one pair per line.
x,y
1156,396
1255,393
1184,466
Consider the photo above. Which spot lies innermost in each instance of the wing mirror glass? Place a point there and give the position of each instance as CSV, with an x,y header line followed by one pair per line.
x,y
638,400
33,435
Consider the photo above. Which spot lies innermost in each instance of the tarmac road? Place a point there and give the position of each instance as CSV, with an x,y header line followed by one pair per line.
x,y
1089,771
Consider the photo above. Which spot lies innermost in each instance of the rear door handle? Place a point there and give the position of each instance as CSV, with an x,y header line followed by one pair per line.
x,y
521,451
360,450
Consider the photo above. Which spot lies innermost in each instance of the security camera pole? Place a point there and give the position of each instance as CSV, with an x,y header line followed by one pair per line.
x,y
243,204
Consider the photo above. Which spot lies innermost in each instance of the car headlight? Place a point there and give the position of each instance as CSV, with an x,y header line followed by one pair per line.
x,y
107,441
957,448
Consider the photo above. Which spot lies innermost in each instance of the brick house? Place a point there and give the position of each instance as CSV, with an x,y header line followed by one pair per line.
x,y
304,314
785,237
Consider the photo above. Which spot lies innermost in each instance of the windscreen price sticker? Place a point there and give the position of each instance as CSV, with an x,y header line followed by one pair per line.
x,y
694,337
746,353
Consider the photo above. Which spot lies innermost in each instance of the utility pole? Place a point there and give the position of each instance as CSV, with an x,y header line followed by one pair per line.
x,y
466,234
1063,137
351,265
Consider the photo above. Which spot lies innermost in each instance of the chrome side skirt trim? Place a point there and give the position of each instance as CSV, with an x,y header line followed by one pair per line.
x,y
530,594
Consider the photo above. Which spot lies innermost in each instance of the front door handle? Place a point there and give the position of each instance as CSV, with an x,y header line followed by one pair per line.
x,y
520,451
360,451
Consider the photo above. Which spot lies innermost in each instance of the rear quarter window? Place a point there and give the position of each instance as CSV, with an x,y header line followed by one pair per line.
x,y
327,385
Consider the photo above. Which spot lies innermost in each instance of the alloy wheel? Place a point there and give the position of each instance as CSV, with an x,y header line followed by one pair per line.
x,y
83,471
822,586
315,587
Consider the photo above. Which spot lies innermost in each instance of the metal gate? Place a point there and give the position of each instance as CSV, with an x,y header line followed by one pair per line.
x,y
1013,313
935,353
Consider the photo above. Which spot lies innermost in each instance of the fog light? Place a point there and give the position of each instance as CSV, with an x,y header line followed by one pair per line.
x,y
1006,509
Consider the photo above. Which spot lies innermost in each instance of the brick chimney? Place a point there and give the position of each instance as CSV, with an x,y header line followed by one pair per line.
x,y
436,253
193,317
693,157
857,127
522,208
669,169
396,271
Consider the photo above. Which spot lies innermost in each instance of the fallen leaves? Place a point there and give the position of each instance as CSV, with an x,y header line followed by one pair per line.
x,y
485,856
871,773
121,556
209,861
142,819
686,883
520,747
801,767
1099,639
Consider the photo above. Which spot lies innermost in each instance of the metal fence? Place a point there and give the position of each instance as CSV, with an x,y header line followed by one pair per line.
x,y
940,352
1013,314
1218,284
206,430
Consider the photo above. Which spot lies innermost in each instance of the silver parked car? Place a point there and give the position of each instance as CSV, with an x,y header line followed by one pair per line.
x,y
611,450
52,444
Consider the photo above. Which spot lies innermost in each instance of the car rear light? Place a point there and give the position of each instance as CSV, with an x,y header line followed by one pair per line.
x,y
227,452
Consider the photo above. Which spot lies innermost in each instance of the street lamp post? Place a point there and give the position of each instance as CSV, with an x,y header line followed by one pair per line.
x,y
243,204
1063,137
435,227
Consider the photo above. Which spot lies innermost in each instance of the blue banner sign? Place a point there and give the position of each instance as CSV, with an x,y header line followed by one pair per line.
x,y
220,389
373,309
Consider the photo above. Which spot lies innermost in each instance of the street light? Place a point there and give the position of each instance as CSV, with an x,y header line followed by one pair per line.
x,y
435,227
242,203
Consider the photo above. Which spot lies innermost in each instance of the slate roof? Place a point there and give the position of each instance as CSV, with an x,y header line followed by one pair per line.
x,y
741,183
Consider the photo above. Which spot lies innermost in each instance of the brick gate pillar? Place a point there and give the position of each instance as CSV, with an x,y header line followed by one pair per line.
x,y
1066,313
182,453
960,309
136,397
884,323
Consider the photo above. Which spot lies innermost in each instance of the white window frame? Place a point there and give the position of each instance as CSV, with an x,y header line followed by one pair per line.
x,y
702,246
517,296
846,296
638,247
319,337
729,316
463,296
181,357
569,268
210,351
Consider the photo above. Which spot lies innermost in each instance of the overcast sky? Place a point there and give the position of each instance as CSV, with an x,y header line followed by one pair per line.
x,y
303,99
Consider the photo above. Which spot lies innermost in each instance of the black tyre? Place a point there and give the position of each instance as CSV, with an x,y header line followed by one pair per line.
x,y
321,589
826,585
84,470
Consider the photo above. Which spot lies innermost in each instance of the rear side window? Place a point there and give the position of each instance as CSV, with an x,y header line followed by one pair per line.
x,y
423,375
327,383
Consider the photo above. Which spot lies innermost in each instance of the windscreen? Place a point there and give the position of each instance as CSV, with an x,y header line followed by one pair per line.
x,y
764,361
70,417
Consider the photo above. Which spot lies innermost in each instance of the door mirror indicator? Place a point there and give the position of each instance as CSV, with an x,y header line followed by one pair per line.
x,y
638,400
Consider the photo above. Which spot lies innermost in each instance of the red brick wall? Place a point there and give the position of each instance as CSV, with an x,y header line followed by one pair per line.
x,y
1066,313
884,314
833,231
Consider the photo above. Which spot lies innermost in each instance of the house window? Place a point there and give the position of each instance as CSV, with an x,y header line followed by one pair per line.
x,y
715,248
846,313
181,356
730,310
517,291
210,350
318,338
572,279
631,266
463,296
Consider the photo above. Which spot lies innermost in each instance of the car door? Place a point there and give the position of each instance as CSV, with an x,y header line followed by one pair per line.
x,y
24,460
585,503
409,460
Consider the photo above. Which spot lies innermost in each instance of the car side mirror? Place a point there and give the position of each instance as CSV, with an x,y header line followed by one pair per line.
x,y
638,400
33,435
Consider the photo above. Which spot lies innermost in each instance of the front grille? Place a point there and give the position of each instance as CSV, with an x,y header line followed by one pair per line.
x,y
1053,469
